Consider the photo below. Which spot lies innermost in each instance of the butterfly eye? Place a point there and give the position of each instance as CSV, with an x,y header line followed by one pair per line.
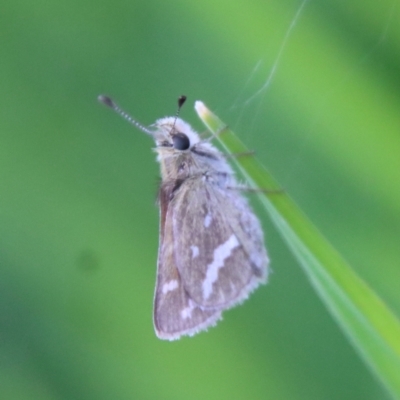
x,y
181,141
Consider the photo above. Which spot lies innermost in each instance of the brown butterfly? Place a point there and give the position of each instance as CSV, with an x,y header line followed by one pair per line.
x,y
211,252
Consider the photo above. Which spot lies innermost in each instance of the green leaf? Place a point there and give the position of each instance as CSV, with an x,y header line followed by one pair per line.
x,y
365,319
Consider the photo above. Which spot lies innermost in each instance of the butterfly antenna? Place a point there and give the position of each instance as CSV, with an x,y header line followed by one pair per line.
x,y
110,103
181,102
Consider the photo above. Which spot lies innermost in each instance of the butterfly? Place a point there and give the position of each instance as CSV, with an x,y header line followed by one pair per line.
x,y
211,249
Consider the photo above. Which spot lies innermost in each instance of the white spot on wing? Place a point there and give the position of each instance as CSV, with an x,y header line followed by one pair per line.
x,y
207,220
195,251
170,286
221,253
187,311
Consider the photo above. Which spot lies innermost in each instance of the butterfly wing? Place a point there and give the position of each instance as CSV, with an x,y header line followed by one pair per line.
x,y
219,249
175,313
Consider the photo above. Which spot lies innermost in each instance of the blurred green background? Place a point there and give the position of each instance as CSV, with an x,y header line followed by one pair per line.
x,y
78,221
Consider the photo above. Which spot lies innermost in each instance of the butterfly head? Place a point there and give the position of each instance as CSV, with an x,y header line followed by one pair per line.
x,y
174,133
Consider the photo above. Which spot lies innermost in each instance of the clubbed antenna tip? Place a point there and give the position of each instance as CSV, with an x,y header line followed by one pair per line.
x,y
107,101
181,101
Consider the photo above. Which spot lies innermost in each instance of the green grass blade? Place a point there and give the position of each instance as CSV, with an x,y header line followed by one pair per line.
x,y
364,318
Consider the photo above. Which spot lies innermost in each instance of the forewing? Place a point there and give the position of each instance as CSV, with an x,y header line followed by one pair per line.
x,y
175,313
220,251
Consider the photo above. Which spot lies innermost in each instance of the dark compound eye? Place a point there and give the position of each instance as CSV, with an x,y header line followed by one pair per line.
x,y
181,141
